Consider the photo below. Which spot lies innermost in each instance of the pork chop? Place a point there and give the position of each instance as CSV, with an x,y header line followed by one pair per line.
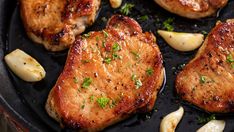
x,y
109,75
55,23
208,80
192,9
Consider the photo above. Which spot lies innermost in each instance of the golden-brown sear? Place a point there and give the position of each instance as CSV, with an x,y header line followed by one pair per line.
x,y
192,9
108,76
208,80
55,23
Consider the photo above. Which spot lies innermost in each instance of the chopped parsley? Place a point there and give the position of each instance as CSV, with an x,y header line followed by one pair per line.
x,y
82,106
87,35
149,71
138,83
115,56
167,24
85,61
144,18
97,38
116,47
86,83
107,60
104,44
203,119
204,32
105,33
75,79
230,58
103,101
112,104
91,98
202,79
133,77
126,8
135,54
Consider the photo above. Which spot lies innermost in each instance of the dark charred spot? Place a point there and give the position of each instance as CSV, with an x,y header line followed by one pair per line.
x,y
95,74
108,80
55,38
209,55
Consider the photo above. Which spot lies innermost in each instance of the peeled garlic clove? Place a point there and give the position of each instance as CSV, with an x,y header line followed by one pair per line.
x,y
115,3
182,41
24,66
169,122
213,126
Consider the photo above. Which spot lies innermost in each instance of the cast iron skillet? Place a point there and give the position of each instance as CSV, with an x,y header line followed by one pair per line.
x,y
24,102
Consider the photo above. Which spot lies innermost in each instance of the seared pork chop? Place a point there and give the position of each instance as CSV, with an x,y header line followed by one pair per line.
x,y
108,76
192,9
208,80
55,23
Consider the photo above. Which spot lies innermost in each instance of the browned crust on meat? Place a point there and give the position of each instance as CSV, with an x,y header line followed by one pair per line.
x,y
192,9
130,100
216,93
56,23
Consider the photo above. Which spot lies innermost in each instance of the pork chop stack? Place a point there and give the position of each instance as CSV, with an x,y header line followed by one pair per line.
x,y
192,9
108,76
55,23
208,80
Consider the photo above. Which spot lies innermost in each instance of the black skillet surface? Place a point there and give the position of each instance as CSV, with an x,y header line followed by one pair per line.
x,y
25,101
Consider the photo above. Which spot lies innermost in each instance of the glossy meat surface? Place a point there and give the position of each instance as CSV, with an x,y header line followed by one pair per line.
x,y
55,23
109,75
208,80
192,9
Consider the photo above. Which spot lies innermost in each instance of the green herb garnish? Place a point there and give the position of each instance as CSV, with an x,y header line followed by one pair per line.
x,y
85,61
230,58
113,104
135,54
116,47
167,24
82,106
107,60
203,119
133,77
103,101
87,35
104,44
138,83
92,98
105,33
204,32
97,38
86,83
144,18
126,8
75,79
149,71
115,56
202,79
232,65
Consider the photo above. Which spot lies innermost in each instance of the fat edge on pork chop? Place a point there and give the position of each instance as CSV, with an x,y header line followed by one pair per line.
x,y
208,80
55,23
109,75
